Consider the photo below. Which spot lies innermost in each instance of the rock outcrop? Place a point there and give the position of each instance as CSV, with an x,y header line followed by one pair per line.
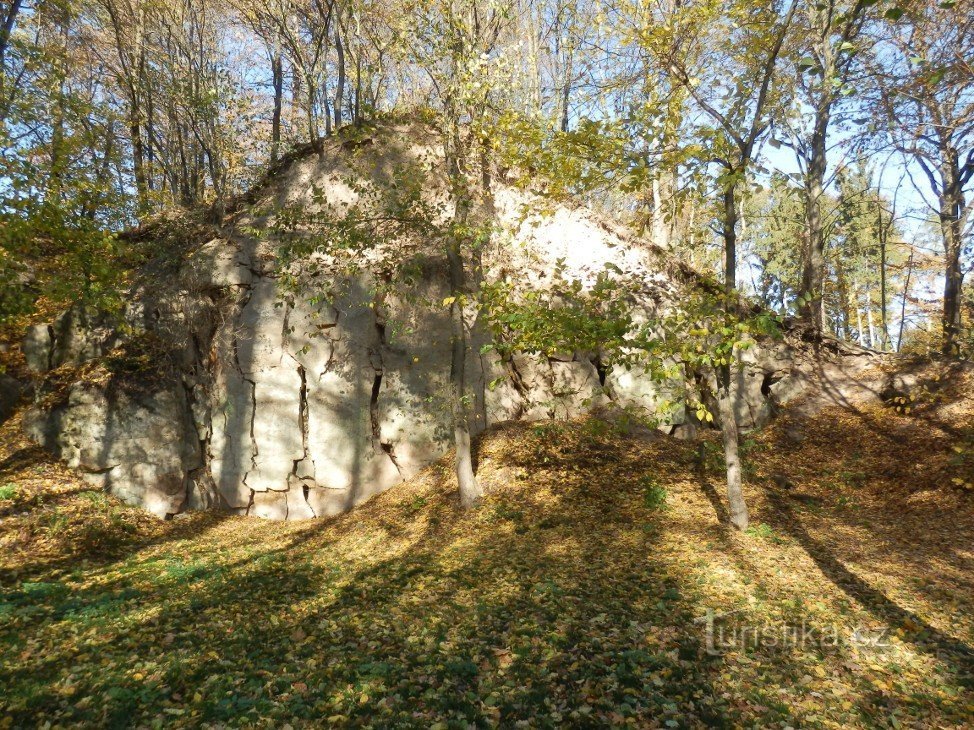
x,y
293,388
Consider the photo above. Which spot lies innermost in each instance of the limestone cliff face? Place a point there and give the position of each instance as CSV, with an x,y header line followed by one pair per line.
x,y
295,402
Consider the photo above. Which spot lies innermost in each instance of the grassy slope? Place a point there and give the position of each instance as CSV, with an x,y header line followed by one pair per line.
x,y
569,596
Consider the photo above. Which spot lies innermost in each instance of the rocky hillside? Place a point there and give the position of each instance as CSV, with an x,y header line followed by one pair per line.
x,y
244,378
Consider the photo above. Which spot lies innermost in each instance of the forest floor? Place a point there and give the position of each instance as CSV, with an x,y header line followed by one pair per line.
x,y
577,593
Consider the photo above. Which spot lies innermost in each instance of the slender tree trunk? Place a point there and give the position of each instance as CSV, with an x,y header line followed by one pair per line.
x,y
297,94
101,177
951,207
725,389
813,277
728,430
357,109
855,303
843,291
5,30
883,315
312,115
58,152
277,72
150,155
869,320
730,245
906,291
470,490
58,162
534,61
340,90
138,155
661,231
566,88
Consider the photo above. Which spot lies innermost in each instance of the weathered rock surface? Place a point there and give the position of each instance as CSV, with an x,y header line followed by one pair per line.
x,y
141,446
76,336
292,403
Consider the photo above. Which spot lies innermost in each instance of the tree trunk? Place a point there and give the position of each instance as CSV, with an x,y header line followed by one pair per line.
x,y
660,226
730,245
728,431
277,71
869,320
340,91
469,488
566,88
5,30
102,176
58,152
855,303
906,291
312,115
150,155
138,157
845,321
883,232
951,207
813,276
357,108
725,391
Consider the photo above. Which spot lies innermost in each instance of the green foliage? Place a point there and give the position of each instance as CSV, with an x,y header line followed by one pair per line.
x,y
58,202
602,318
654,494
569,317
46,252
711,457
595,155
8,492
764,532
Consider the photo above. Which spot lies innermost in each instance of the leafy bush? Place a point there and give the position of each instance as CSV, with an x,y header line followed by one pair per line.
x,y
765,532
654,494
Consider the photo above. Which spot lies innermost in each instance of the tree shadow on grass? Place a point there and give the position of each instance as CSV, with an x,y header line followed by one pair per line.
x,y
24,457
927,638
710,492
524,609
101,544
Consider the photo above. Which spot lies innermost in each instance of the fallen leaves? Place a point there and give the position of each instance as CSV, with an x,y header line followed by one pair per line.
x,y
566,598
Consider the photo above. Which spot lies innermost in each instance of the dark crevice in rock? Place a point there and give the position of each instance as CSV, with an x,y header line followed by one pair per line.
x,y
519,385
601,370
516,377
374,407
769,380
253,420
391,452
203,440
302,422
253,403
303,408
375,357
52,333
286,328
96,471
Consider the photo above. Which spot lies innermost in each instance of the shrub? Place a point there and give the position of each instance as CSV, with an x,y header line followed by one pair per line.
x,y
654,494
